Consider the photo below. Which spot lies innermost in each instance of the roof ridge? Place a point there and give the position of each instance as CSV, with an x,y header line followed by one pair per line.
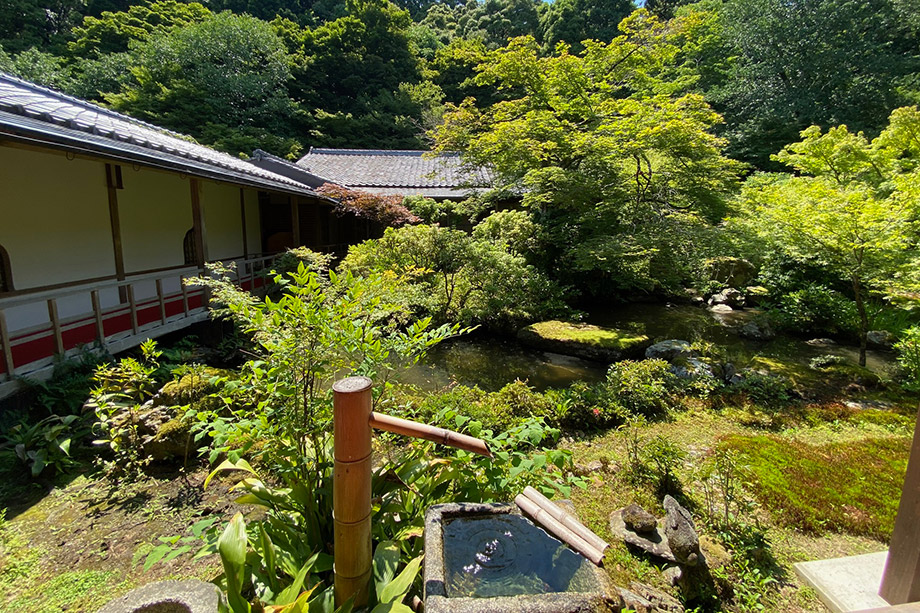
x,y
86,104
379,152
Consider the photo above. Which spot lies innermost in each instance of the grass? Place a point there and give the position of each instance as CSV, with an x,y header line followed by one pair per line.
x,y
587,334
851,487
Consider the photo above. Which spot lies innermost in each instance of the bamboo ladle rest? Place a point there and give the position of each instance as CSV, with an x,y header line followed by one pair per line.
x,y
353,422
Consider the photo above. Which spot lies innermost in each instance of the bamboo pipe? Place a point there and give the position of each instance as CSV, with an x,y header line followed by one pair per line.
x,y
351,489
558,530
566,519
429,433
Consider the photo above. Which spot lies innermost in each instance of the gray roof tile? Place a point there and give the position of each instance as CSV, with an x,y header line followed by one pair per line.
x,y
38,113
397,171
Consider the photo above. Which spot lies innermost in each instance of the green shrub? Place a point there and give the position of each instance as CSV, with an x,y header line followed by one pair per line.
x,y
815,309
908,349
765,389
640,388
43,445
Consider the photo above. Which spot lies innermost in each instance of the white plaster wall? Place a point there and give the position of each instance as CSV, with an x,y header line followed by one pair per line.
x,y
54,218
253,222
223,221
155,211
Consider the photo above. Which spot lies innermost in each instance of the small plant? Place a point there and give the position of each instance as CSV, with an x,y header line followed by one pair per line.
x,y
664,455
633,440
45,444
824,361
765,389
640,388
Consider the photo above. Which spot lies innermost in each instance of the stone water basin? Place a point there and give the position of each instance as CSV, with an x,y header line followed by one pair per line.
x,y
488,557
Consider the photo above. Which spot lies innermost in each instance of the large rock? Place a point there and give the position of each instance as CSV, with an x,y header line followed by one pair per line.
x,y
880,338
191,596
756,295
736,272
730,296
721,308
659,600
584,340
683,540
757,330
670,350
638,519
653,543
161,430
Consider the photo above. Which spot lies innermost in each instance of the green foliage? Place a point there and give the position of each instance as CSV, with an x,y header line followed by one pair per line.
x,y
852,209
764,389
620,169
121,389
850,71
908,348
451,276
815,309
45,444
850,487
514,229
640,388
221,79
572,21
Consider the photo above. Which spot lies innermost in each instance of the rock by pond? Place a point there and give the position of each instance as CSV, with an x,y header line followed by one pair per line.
x,y
583,340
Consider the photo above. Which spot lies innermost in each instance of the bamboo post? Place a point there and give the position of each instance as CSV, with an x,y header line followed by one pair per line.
x,y
351,489
901,578
560,515
429,433
557,529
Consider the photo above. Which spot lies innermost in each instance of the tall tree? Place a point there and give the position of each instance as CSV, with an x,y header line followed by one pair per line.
x,y
573,21
811,62
852,207
620,172
45,24
222,80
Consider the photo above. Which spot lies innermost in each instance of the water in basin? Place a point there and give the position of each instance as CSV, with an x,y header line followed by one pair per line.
x,y
507,555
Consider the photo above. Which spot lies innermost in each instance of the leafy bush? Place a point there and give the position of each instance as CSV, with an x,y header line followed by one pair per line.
x,y
908,349
45,444
815,309
451,276
514,229
765,389
640,388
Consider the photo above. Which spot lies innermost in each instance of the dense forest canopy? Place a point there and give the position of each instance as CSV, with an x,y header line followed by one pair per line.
x,y
373,73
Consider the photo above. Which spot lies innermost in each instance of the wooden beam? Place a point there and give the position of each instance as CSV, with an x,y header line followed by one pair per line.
x,y
162,301
295,220
97,311
7,348
55,326
201,238
111,183
901,579
243,217
133,305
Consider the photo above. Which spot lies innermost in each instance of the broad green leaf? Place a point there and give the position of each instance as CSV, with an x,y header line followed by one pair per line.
x,y
386,561
398,587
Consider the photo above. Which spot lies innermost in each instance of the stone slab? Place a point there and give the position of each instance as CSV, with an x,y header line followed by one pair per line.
x,y
190,596
653,542
846,584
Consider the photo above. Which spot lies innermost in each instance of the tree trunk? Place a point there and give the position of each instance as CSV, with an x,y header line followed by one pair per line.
x,y
863,321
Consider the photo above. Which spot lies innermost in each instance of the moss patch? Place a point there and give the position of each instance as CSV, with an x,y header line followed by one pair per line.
x,y
584,340
851,487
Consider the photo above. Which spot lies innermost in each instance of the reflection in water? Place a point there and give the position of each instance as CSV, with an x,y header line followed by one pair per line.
x,y
493,363
507,555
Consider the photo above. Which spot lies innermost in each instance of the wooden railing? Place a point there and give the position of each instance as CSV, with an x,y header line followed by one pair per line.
x,y
109,314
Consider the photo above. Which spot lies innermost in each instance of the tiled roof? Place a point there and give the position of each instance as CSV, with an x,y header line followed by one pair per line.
x,y
399,171
31,113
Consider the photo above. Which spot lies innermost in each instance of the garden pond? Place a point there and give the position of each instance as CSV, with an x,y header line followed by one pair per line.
x,y
492,362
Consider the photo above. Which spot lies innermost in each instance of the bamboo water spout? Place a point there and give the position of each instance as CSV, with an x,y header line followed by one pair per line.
x,y
353,421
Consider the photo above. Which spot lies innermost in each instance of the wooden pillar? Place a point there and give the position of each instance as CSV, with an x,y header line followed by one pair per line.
x,y
351,489
55,326
901,579
7,347
201,238
113,184
243,219
295,220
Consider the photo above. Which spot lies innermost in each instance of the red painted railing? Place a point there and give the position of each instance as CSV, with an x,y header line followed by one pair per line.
x,y
139,307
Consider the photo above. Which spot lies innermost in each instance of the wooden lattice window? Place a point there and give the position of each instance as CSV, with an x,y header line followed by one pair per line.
x,y
6,274
188,248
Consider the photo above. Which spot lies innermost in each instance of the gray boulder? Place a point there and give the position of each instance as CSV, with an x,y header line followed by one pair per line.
x,y
670,350
730,296
880,338
653,543
821,342
190,596
638,519
736,272
692,368
721,308
757,330
681,534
